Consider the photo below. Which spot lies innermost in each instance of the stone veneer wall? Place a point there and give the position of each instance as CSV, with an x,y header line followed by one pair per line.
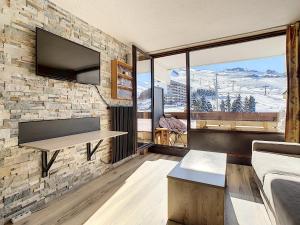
x,y
26,97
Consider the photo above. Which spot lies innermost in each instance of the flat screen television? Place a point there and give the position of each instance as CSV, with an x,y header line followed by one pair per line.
x,y
62,59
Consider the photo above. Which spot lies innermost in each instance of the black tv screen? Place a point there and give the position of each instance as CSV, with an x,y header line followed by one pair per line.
x,y
59,58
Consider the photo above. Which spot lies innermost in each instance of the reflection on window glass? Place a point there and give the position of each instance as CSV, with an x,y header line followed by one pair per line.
x,y
144,92
242,95
144,100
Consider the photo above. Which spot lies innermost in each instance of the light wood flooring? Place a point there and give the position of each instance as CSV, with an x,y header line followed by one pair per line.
x,y
135,193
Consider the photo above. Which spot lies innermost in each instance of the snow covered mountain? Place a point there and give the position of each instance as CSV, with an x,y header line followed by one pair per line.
x,y
267,87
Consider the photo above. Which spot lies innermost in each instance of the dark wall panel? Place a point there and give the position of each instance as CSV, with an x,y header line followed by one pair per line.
x,y
237,144
45,129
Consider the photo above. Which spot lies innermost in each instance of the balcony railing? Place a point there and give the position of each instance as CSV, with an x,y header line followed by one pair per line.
x,y
244,121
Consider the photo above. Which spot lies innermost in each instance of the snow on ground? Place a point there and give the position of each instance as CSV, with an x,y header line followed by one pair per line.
x,y
267,90
266,87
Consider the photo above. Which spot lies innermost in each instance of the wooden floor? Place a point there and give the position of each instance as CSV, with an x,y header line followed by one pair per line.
x,y
135,193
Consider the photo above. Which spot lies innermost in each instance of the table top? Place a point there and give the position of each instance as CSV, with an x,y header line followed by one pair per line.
x,y
202,167
54,144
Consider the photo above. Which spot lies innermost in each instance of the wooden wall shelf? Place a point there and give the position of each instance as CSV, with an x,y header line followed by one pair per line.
x,y
54,145
125,76
121,80
124,87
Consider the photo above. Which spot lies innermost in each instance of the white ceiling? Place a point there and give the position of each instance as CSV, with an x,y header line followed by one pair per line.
x,y
159,24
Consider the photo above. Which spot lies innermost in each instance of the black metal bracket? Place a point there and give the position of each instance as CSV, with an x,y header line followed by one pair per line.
x,y
89,150
45,164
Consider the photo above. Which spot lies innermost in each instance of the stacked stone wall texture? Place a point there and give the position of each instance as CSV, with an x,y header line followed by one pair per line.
x,y
24,96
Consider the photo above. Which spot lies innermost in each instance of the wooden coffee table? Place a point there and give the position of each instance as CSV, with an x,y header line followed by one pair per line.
x,y
196,189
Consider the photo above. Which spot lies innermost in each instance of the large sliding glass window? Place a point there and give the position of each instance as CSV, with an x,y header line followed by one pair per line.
x,y
170,100
144,99
240,86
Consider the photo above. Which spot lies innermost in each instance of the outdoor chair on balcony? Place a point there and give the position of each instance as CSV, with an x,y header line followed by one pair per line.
x,y
175,127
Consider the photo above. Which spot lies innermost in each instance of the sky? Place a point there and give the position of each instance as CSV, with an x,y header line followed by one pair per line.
x,y
277,63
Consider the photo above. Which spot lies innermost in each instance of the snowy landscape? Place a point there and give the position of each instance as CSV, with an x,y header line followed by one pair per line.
x,y
268,88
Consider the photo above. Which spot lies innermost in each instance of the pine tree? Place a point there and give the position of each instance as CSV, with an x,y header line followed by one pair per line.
x,y
194,101
246,107
209,106
228,103
203,104
252,104
199,104
237,105
222,106
196,105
